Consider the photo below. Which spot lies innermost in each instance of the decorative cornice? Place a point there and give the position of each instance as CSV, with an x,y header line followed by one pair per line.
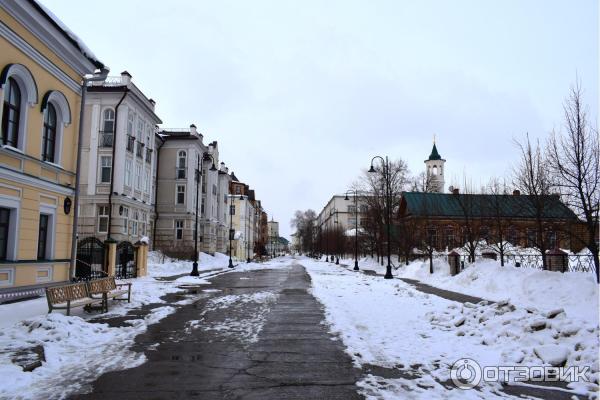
x,y
36,56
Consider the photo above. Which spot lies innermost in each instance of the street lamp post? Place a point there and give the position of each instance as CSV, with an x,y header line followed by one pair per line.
x,y
388,209
198,174
248,236
355,227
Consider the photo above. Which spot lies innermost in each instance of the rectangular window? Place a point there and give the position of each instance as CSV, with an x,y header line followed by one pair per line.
x,y
179,229
42,237
4,231
214,189
352,209
147,181
180,194
128,171
105,169
134,228
125,219
130,122
138,177
103,219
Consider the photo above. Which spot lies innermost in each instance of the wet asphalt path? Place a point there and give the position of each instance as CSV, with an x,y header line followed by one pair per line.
x,y
292,357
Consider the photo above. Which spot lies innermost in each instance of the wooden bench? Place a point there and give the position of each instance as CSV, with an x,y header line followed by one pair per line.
x,y
68,296
109,289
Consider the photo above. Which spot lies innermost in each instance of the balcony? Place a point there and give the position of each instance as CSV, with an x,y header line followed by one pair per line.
x,y
130,143
106,139
139,150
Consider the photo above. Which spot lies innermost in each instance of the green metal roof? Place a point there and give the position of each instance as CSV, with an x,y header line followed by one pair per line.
x,y
434,154
483,205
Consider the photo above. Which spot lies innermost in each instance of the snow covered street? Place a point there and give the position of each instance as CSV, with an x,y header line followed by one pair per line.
x,y
257,329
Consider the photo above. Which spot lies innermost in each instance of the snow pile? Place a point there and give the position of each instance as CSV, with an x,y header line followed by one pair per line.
x,y
388,323
75,351
526,336
383,322
576,292
161,265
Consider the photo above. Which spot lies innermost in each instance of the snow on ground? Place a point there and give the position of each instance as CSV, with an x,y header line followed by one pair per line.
x,y
77,351
575,292
390,324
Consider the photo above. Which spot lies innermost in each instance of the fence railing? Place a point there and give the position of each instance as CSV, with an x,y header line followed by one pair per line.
x,y
573,263
106,139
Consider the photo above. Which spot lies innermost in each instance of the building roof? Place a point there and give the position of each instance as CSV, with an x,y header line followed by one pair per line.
x,y
434,154
482,205
67,33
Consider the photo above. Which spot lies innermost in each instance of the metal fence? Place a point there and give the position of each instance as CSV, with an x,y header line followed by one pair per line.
x,y
575,263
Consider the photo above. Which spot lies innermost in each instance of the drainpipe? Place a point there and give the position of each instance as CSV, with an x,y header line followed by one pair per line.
x,y
97,77
162,142
112,169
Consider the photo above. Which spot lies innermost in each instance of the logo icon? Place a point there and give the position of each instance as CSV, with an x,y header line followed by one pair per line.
x,y
465,373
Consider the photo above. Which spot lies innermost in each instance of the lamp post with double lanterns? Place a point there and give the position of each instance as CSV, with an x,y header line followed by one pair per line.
x,y
355,192
388,208
198,174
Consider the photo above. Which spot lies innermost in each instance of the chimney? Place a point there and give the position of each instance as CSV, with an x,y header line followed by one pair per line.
x,y
516,192
455,191
193,130
125,77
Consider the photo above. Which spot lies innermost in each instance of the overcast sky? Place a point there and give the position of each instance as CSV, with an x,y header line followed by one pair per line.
x,y
301,94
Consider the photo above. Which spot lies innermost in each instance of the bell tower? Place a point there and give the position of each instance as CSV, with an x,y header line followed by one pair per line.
x,y
435,171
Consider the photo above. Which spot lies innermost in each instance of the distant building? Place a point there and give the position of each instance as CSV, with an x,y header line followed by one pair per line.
x,y
341,213
440,219
181,152
245,219
434,167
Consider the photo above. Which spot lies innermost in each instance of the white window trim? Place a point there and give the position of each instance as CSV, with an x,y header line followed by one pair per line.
x,y
177,192
29,98
50,270
63,119
14,203
51,239
100,169
11,276
98,216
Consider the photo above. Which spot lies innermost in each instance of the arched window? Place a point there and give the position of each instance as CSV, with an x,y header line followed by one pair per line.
x,y
181,161
108,121
49,135
56,115
435,170
11,113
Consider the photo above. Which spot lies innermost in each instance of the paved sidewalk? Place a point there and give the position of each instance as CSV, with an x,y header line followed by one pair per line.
x,y
294,357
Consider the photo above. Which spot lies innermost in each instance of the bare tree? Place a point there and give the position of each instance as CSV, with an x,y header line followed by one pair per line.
x,y
471,221
574,160
304,223
496,209
532,177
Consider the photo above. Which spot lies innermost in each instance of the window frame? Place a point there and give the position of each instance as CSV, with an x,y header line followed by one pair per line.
x,y
7,107
101,215
104,167
180,192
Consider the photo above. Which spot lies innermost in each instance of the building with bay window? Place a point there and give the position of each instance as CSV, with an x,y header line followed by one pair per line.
x,y
118,161
188,167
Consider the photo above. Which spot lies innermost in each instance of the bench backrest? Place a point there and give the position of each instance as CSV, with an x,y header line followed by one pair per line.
x,y
61,294
102,285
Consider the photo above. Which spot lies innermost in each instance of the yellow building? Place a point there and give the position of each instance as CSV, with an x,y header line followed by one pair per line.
x,y
42,65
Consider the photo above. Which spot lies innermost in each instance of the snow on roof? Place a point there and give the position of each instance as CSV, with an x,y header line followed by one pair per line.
x,y
69,34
